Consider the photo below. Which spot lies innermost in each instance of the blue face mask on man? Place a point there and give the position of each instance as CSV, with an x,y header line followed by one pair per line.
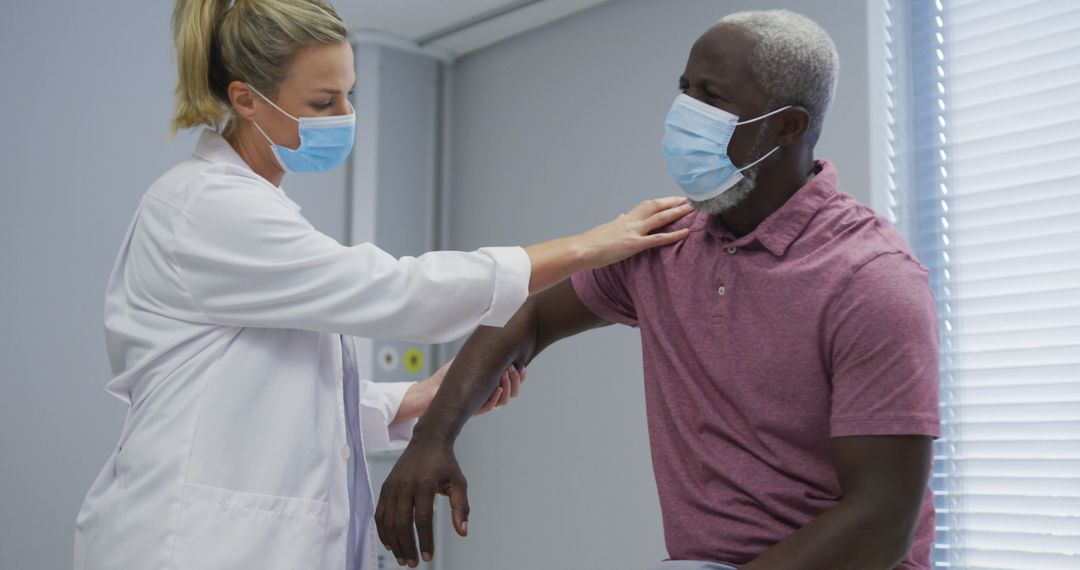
x,y
324,141
695,146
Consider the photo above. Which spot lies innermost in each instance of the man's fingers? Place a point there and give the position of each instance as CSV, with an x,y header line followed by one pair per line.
x,y
459,507
404,541
387,532
425,521
403,529
380,518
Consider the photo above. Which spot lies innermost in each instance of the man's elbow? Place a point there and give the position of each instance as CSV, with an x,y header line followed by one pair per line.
x,y
898,543
889,533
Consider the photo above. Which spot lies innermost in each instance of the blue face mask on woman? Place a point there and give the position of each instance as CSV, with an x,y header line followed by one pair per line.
x,y
324,141
695,145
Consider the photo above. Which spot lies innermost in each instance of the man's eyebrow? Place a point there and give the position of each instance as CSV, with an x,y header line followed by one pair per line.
x,y
711,83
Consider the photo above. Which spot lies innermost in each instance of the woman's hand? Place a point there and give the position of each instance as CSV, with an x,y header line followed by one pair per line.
x,y
509,387
631,233
419,396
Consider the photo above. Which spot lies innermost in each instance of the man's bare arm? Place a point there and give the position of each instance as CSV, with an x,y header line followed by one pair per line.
x,y
883,481
427,466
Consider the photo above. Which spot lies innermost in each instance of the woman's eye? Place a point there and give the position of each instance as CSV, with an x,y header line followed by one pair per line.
x,y
322,106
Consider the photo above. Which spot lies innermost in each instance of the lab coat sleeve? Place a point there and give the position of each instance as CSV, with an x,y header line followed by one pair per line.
x,y
247,258
379,403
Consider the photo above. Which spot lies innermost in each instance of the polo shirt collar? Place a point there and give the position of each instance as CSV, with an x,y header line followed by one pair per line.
x,y
777,232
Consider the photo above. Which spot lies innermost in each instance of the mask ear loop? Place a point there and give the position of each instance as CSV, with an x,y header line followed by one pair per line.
x,y
272,104
263,133
751,165
775,148
746,122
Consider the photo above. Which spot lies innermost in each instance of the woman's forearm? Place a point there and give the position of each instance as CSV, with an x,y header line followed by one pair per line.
x,y
554,261
416,401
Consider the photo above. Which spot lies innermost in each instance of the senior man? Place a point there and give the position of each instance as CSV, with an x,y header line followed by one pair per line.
x,y
790,342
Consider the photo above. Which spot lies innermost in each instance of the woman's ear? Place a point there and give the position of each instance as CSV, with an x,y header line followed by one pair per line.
x,y
793,125
242,99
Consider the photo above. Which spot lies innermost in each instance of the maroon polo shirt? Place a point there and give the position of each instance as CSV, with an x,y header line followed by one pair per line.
x,y
759,349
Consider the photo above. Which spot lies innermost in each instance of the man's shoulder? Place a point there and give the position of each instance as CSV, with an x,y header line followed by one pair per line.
x,y
860,235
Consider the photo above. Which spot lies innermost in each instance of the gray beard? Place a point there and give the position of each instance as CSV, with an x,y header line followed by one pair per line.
x,y
738,193
732,197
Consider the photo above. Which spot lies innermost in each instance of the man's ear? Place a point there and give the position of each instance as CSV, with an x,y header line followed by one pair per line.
x,y
793,125
242,99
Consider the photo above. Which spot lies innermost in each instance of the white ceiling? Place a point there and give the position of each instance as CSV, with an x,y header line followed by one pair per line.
x,y
456,26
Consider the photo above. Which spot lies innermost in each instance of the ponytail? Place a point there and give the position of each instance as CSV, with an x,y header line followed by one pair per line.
x,y
194,24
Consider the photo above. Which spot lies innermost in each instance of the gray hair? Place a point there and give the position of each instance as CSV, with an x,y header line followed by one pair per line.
x,y
794,62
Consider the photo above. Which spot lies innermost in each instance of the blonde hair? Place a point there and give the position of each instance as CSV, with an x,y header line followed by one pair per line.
x,y
220,41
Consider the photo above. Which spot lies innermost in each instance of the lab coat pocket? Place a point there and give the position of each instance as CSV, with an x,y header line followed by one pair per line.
x,y
221,529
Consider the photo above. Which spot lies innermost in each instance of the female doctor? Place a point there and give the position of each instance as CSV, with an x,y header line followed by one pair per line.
x,y
229,319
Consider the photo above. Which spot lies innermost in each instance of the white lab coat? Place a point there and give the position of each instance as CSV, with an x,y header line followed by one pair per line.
x,y
222,318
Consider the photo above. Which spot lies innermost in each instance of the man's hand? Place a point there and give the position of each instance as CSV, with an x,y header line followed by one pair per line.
x,y
427,466
408,495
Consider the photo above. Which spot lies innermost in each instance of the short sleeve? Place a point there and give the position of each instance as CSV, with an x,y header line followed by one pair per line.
x,y
884,352
606,292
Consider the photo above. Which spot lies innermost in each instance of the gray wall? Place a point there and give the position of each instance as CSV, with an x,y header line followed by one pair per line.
x,y
556,131
87,96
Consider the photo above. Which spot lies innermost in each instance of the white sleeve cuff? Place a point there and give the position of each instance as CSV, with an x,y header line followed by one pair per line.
x,y
513,270
379,403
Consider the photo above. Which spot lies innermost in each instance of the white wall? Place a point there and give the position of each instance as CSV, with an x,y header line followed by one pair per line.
x,y
556,131
86,99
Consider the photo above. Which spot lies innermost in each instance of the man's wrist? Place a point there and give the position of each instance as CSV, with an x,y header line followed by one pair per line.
x,y
430,432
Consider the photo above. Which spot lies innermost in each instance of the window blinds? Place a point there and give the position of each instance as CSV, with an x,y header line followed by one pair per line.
x,y
983,127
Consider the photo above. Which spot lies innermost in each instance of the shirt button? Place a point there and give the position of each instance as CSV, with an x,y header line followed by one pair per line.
x,y
721,291
345,452
731,249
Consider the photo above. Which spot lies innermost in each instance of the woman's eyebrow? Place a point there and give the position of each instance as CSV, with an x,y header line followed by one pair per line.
x,y
333,90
